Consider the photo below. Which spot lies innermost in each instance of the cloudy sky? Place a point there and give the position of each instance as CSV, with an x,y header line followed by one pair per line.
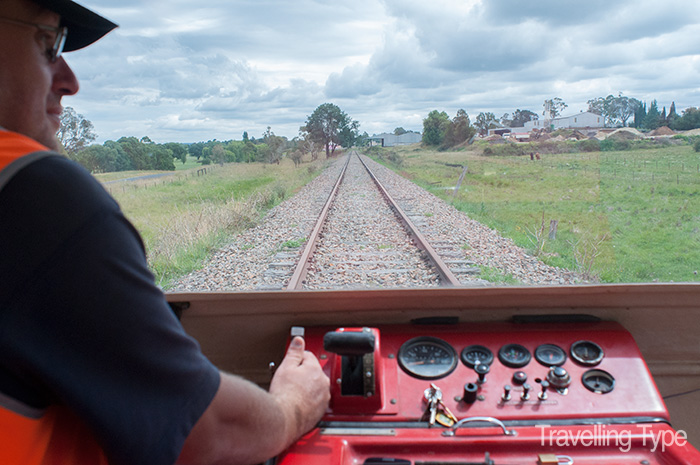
x,y
187,71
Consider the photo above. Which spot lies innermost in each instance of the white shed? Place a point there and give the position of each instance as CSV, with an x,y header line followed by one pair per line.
x,y
391,140
585,119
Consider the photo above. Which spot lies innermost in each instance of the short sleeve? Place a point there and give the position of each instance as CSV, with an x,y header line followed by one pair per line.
x,y
82,319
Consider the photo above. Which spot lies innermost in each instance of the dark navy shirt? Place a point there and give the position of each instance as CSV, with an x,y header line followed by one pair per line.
x,y
82,322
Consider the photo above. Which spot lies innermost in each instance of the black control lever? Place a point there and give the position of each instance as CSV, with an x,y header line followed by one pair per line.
x,y
349,343
356,350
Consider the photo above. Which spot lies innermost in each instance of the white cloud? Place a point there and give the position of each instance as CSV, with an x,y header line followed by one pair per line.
x,y
177,70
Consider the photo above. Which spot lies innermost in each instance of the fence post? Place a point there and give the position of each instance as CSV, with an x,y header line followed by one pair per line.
x,y
553,229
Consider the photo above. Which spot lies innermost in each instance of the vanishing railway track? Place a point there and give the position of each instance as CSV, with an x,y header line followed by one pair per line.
x,y
364,239
364,244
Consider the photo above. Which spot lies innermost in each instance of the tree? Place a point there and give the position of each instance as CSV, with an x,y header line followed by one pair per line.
x,y
161,157
615,110
639,115
349,134
459,130
553,107
275,146
625,107
689,120
218,154
434,127
485,121
505,120
326,124
398,131
75,132
672,117
137,153
653,118
307,144
179,151
196,149
296,157
520,117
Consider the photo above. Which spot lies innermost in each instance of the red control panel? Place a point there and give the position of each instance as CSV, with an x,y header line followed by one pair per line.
x,y
534,392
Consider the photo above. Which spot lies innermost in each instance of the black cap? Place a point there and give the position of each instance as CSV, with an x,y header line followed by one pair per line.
x,y
84,26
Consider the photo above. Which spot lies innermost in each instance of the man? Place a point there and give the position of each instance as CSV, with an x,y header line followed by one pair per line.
x,y
95,368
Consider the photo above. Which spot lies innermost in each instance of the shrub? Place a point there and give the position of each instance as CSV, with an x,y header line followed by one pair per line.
x,y
589,145
607,145
696,145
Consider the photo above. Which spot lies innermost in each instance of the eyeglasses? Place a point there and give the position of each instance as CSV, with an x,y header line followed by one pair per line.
x,y
56,48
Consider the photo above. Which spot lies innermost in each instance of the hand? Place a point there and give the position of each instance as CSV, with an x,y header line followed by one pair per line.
x,y
301,387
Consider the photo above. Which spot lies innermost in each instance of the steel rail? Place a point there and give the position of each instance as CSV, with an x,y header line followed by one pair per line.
x,y
446,275
297,279
447,278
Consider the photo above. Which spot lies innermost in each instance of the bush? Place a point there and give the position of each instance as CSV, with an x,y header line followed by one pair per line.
x,y
589,145
607,145
696,145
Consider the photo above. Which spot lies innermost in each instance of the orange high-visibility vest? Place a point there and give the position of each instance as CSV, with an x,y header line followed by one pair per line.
x,y
30,436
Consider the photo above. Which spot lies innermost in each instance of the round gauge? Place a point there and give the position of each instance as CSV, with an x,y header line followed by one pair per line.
x,y
550,355
514,355
598,381
427,357
586,353
475,355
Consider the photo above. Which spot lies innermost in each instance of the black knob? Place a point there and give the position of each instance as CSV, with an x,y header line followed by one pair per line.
x,y
543,394
470,390
519,377
506,393
526,392
481,370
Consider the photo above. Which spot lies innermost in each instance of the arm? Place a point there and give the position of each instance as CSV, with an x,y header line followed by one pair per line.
x,y
245,424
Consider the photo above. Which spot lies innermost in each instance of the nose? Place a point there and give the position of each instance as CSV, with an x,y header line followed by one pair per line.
x,y
64,80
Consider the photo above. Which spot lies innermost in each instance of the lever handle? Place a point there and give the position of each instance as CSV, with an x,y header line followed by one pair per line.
x,y
456,426
349,342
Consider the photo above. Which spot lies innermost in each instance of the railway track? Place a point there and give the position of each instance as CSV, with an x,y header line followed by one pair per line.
x,y
364,239
357,248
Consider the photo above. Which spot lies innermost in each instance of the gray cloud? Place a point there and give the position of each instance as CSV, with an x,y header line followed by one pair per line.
x,y
178,70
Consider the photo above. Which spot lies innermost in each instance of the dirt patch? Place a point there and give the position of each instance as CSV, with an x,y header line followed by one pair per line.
x,y
662,131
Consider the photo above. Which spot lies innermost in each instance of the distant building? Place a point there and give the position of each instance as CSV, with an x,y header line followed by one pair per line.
x,y
585,119
392,140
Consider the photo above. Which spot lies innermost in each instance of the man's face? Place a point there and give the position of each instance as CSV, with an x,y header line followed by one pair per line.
x,y
31,86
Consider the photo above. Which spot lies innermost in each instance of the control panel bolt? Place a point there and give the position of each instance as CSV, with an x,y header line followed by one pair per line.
x,y
526,392
506,393
543,394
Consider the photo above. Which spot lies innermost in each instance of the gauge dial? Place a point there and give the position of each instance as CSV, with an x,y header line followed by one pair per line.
x,y
550,355
427,357
598,381
476,354
514,355
586,353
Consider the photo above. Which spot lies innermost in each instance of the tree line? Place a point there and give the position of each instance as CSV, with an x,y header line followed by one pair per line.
x,y
618,111
326,129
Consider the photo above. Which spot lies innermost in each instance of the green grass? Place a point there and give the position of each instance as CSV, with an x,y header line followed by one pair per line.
x,y
183,219
631,216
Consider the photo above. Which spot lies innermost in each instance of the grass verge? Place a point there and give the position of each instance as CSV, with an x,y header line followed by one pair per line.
x,y
182,221
629,216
